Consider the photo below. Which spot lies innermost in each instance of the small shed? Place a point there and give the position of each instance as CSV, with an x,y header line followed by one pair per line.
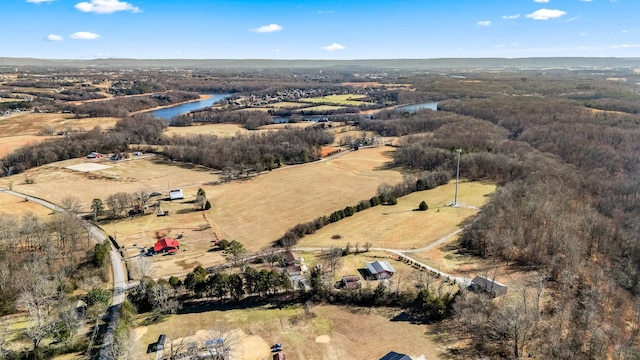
x,y
380,269
351,282
162,339
176,194
166,245
279,356
481,283
392,355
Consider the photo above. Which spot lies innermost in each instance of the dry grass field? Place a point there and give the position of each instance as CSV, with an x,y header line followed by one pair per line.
x,y
55,182
345,100
400,226
332,332
287,105
11,143
28,123
221,130
13,205
256,212
322,108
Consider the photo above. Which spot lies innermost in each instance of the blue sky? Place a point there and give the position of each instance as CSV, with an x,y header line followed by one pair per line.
x,y
314,29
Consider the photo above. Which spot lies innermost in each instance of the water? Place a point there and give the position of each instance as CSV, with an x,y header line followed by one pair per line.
x,y
170,112
415,107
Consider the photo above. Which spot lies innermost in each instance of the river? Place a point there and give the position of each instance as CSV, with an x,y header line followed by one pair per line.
x,y
415,107
170,112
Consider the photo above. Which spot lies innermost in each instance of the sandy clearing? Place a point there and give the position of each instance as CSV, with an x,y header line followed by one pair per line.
x,y
88,167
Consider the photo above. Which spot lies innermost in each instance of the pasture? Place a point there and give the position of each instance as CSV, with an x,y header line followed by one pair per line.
x,y
328,332
258,211
286,105
400,226
344,100
12,205
321,108
54,181
28,123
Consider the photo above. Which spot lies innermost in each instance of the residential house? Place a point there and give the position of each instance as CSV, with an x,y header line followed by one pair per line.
x,y
166,245
294,263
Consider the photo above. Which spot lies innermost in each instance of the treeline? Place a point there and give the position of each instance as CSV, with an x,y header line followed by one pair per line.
x,y
252,120
121,107
255,286
139,129
386,195
249,153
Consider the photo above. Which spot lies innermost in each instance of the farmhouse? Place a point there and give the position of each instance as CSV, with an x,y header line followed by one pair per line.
x,y
294,263
351,282
176,194
481,283
166,245
380,269
392,355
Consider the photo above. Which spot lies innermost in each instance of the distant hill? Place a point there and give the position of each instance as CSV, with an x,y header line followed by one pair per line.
x,y
399,64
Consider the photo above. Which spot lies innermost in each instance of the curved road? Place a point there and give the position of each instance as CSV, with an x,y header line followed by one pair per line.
x,y
119,282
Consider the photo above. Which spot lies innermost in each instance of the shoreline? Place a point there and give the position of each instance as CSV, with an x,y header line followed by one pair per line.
x,y
202,97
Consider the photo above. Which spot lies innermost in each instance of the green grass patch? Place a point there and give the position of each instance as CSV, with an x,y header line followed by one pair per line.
x,y
344,100
321,108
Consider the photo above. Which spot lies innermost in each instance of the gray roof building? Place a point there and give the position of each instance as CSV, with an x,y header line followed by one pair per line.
x,y
380,269
392,355
481,283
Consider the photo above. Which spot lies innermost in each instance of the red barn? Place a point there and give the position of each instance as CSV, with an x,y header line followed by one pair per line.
x,y
166,245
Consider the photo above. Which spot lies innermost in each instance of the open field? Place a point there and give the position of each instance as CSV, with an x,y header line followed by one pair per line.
x,y
399,226
28,123
322,108
228,130
2,100
11,143
333,332
54,182
346,100
221,130
256,212
13,205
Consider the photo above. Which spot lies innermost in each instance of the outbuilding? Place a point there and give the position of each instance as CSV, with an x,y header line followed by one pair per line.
x,y
351,282
483,284
392,355
380,269
176,194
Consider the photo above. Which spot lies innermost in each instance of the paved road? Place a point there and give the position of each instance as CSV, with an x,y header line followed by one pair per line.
x,y
119,282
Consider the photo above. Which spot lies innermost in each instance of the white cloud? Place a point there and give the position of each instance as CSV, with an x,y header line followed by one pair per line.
x,y
54,37
39,1
325,12
584,34
84,35
541,1
625,31
267,28
334,47
511,17
546,14
586,0
106,6
484,23
625,46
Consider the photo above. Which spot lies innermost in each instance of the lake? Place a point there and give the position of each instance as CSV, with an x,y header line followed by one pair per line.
x,y
170,112
415,107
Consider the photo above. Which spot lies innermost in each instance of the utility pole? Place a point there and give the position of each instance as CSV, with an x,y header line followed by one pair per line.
x,y
455,199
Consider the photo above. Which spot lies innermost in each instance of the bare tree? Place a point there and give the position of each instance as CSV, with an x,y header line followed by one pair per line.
x,y
70,321
161,299
71,204
144,267
367,246
36,296
142,197
333,255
